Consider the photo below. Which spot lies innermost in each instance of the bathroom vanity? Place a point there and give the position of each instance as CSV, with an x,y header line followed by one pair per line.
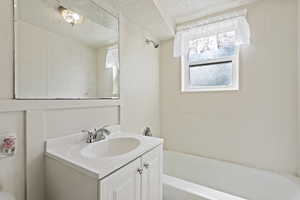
x,y
121,167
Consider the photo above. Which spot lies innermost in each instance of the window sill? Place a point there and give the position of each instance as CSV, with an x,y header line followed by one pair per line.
x,y
219,89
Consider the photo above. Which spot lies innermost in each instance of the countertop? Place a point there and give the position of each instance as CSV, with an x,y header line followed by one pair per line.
x,y
62,150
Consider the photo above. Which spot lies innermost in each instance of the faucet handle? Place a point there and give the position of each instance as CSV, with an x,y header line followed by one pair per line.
x,y
106,130
91,135
90,138
105,127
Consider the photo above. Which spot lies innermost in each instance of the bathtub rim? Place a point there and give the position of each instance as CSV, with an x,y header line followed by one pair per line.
x,y
206,192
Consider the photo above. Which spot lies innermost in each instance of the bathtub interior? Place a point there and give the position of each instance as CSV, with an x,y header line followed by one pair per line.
x,y
179,189
249,183
172,192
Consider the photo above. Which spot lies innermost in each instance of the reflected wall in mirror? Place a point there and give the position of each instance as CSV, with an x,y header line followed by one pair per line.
x,y
66,49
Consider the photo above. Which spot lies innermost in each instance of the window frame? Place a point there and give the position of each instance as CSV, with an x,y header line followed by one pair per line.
x,y
185,74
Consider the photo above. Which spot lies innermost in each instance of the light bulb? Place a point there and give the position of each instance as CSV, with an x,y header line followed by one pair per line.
x,y
70,16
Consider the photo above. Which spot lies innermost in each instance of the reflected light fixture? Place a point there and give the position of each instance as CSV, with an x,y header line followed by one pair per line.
x,y
70,16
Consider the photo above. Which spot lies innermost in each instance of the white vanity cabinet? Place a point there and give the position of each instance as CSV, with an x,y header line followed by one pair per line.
x,y
152,175
123,184
139,180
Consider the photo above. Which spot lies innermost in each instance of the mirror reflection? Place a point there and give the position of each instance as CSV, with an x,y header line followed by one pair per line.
x,y
65,50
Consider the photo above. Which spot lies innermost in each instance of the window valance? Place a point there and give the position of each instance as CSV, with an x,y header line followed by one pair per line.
x,y
112,62
234,22
112,57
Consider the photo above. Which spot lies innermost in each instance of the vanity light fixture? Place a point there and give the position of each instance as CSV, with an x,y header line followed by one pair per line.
x,y
70,16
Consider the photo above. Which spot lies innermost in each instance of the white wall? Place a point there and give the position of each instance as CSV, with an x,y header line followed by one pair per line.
x,y
6,61
139,81
298,89
12,170
55,66
34,121
255,126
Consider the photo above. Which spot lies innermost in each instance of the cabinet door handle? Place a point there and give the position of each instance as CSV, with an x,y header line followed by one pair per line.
x,y
140,171
146,165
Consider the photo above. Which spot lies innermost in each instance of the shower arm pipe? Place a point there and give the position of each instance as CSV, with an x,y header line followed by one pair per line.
x,y
155,44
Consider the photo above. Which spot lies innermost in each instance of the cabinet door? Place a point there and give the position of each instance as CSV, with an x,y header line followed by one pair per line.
x,y
124,184
152,175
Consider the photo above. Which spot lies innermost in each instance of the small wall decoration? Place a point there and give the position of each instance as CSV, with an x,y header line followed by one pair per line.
x,y
7,145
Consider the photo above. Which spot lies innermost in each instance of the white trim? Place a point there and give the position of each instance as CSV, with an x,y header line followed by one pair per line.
x,y
23,105
219,89
208,61
198,191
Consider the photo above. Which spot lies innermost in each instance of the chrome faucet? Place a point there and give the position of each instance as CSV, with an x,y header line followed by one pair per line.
x,y
102,132
97,134
147,132
91,135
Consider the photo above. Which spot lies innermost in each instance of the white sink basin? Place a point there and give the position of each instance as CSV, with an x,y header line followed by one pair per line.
x,y
100,158
110,148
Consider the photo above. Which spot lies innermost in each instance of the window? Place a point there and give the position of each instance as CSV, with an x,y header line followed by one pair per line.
x,y
209,52
211,63
112,62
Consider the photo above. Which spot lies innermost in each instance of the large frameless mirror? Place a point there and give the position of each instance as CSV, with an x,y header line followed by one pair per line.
x,y
66,49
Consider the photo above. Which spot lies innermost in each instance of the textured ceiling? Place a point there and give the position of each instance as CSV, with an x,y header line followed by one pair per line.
x,y
146,14
98,29
158,17
180,8
184,10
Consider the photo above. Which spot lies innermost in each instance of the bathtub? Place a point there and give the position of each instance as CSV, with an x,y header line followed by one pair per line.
x,y
188,177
